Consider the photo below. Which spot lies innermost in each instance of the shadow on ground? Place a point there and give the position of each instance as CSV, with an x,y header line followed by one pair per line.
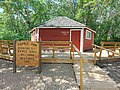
x,y
53,77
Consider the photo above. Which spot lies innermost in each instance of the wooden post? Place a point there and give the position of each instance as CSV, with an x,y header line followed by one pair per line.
x,y
119,50
40,58
53,53
14,56
73,54
0,46
95,56
108,53
101,52
81,73
115,48
71,51
53,50
81,62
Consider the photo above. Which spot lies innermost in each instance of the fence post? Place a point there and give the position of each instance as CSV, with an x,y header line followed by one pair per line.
x,y
40,58
53,50
115,47
14,56
71,51
95,56
81,74
101,51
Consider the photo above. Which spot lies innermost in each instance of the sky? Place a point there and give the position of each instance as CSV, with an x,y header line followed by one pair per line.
x,y
1,10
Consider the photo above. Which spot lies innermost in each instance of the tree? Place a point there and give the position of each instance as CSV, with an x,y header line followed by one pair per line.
x,y
102,16
23,15
20,16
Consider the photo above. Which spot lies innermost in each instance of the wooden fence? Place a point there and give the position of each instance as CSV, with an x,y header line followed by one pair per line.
x,y
112,46
81,64
7,48
57,45
109,47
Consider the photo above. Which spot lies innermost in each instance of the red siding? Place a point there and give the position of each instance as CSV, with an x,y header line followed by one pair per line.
x,y
54,34
88,43
61,34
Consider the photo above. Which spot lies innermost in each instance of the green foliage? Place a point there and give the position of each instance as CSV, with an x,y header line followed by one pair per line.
x,y
102,16
20,16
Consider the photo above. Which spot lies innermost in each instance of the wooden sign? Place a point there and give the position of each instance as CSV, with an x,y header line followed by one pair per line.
x,y
26,53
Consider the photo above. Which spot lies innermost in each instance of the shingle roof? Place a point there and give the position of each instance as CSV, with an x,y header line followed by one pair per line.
x,y
62,21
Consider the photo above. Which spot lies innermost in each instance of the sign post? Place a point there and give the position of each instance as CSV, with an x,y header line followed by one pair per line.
x,y
27,53
14,56
40,58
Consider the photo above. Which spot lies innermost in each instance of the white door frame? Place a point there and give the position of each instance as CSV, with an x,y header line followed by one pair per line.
x,y
81,37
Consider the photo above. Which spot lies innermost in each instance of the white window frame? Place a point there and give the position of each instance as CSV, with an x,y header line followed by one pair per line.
x,y
87,31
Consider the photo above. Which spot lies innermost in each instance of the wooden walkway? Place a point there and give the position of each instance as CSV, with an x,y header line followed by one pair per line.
x,y
65,56
94,78
64,52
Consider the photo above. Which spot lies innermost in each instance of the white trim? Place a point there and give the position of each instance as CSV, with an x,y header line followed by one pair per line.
x,y
82,40
73,30
63,27
37,34
90,29
76,29
87,31
93,38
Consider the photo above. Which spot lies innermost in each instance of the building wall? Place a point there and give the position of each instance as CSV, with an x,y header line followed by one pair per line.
x,y
88,42
35,35
59,34
54,34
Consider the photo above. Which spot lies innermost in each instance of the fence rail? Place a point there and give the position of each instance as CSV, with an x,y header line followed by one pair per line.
x,y
102,48
57,45
81,64
6,47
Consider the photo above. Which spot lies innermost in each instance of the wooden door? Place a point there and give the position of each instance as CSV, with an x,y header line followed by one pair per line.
x,y
75,38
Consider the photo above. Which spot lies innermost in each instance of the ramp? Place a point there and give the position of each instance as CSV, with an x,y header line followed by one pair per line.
x,y
94,78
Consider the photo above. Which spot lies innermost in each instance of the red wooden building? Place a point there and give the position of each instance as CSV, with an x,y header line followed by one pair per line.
x,y
64,29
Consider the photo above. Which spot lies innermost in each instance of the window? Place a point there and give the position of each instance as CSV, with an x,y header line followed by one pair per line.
x,y
88,34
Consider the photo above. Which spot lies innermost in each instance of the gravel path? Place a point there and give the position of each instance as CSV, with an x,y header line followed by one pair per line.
x,y
53,77
113,70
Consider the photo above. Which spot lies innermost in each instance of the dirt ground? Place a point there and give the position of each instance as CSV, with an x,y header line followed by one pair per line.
x,y
53,77
113,71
